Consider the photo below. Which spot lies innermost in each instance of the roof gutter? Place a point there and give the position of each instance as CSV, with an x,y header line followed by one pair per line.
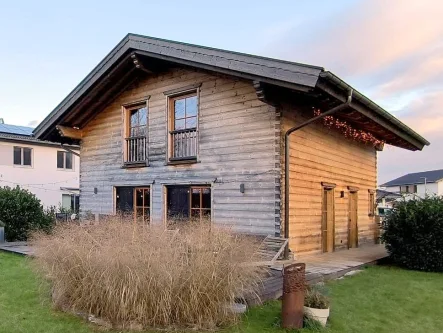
x,y
373,106
287,151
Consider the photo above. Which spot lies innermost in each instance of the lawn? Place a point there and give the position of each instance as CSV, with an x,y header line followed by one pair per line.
x,y
381,299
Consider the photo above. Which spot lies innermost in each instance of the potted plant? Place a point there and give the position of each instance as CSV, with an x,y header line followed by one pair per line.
x,y
316,304
2,232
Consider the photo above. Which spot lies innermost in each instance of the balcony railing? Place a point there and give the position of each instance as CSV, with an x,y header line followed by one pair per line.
x,y
184,144
136,151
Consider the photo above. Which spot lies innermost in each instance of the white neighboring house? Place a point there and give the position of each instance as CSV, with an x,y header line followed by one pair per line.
x,y
44,168
417,184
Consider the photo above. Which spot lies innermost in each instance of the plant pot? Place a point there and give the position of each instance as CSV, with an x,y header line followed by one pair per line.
x,y
321,315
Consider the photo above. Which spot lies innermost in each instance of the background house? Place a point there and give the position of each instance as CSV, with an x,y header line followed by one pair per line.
x,y
418,183
42,167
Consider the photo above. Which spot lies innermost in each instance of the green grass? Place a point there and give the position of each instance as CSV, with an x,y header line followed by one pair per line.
x,y
381,299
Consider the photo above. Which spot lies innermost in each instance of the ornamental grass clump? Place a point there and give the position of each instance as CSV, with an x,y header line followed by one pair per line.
x,y
128,274
316,297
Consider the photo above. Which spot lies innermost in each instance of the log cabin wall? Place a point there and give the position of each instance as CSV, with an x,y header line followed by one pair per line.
x,y
239,140
319,154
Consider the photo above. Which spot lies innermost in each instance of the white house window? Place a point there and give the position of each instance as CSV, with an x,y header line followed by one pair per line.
x,y
70,202
23,156
64,160
408,189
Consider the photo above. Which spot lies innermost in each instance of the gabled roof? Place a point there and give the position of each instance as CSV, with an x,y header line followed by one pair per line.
x,y
136,52
416,178
387,195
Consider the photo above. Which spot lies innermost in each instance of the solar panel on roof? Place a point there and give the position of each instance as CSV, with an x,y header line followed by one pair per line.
x,y
15,129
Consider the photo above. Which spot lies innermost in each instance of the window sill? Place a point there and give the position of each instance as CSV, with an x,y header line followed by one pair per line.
x,y
178,161
130,165
23,166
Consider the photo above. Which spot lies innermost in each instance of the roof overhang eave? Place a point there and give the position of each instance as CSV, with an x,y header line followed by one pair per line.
x,y
406,133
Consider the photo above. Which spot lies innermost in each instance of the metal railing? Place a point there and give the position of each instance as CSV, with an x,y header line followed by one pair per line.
x,y
184,144
136,150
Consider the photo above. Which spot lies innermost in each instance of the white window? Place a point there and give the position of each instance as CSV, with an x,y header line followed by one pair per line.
x,y
64,160
23,156
70,202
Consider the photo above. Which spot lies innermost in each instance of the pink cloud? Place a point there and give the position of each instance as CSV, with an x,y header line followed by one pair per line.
x,y
395,48
425,114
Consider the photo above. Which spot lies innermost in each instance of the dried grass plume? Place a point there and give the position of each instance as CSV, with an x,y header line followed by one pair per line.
x,y
130,274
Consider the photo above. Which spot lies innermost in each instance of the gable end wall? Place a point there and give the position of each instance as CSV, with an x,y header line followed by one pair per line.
x,y
239,143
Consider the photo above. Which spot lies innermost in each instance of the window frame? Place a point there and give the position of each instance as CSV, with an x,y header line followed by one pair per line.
x,y
22,157
143,207
64,160
371,203
126,131
72,198
134,198
200,209
190,186
171,97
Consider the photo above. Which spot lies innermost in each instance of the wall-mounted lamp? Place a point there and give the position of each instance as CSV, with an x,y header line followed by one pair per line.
x,y
242,188
342,194
95,190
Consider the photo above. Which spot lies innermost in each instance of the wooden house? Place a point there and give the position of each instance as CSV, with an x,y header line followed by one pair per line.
x,y
173,131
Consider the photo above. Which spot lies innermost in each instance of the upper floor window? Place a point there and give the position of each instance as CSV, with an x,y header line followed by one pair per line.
x,y
136,133
23,156
408,189
183,125
64,160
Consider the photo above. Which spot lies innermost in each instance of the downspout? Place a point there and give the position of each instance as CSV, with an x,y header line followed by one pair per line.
x,y
287,150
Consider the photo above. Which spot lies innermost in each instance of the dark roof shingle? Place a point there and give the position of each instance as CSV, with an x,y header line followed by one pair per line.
x,y
416,178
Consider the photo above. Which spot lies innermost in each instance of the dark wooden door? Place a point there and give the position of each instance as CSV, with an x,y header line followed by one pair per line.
x,y
353,220
178,202
328,221
124,200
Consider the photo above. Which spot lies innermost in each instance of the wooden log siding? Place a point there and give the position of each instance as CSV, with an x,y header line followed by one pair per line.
x,y
318,155
238,143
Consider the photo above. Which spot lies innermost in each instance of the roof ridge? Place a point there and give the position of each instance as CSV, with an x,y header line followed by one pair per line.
x,y
226,51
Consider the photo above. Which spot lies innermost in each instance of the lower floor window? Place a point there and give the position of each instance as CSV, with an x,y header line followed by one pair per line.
x,y
135,202
70,202
183,203
188,203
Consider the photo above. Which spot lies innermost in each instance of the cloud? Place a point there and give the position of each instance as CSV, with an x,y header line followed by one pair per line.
x,y
33,123
369,36
425,114
393,52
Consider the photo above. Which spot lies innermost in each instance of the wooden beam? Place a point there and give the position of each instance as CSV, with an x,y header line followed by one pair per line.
x,y
111,95
353,189
139,64
70,132
260,91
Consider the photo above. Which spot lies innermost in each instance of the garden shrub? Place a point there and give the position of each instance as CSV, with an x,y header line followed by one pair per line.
x,y
132,275
413,233
22,212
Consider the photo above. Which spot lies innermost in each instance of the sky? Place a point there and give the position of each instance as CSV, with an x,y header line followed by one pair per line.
x,y
391,51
